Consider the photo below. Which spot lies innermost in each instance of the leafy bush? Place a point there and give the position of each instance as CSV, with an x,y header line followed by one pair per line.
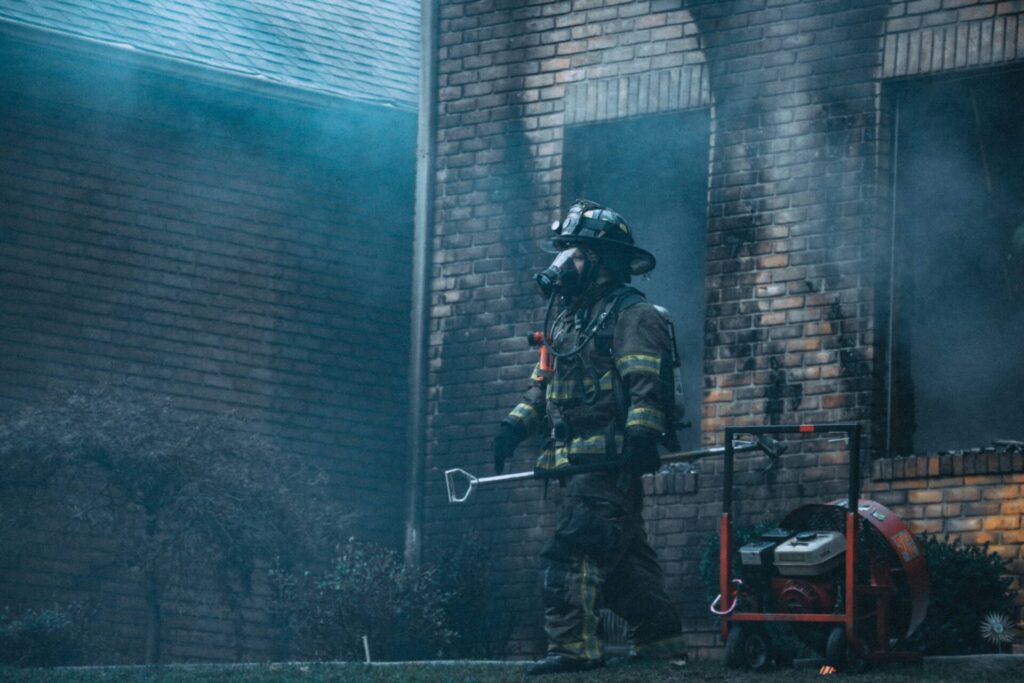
x,y
177,493
366,591
481,626
48,637
449,610
709,560
967,583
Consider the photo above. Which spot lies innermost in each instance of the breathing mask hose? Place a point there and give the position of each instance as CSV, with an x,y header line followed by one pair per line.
x,y
587,335
549,328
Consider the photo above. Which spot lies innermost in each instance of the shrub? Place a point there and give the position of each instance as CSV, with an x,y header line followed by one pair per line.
x,y
178,493
367,591
481,626
709,560
967,582
47,637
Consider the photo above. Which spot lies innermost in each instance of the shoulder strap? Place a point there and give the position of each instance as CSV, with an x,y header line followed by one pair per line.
x,y
626,296
621,298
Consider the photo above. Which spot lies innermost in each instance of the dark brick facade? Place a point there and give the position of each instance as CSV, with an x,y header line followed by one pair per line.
x,y
234,250
798,230
975,497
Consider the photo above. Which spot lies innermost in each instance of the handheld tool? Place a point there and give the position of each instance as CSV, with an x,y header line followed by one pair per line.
x,y
461,483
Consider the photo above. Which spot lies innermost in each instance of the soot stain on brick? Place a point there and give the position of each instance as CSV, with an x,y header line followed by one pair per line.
x,y
835,311
744,344
852,363
740,242
515,193
779,389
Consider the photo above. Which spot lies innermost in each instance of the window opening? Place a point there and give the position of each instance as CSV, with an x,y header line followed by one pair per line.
x,y
957,360
654,171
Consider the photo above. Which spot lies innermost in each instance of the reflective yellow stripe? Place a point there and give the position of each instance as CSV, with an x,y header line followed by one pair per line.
x,y
558,454
565,389
649,418
551,459
577,649
526,415
588,598
596,444
604,383
562,390
591,445
639,363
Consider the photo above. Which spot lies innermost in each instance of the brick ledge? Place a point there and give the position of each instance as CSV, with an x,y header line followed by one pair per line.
x,y
947,465
670,482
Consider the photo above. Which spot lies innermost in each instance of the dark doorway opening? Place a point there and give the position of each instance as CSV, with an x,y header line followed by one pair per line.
x,y
957,357
654,171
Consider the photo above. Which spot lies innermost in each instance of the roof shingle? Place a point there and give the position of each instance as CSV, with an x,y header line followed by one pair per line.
x,y
365,50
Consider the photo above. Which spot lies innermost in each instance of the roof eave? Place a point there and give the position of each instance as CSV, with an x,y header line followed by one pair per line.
x,y
195,70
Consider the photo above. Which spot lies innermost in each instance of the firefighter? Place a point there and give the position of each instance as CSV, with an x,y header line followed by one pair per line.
x,y
607,397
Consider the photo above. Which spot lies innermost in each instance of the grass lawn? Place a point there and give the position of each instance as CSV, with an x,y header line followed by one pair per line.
x,y
943,670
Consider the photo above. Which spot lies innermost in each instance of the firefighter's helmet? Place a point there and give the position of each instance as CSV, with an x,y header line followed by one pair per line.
x,y
589,224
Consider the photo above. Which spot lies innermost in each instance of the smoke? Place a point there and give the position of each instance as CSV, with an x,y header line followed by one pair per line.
x,y
960,307
230,241
653,170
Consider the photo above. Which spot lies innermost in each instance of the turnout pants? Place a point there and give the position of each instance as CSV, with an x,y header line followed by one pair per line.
x,y
599,557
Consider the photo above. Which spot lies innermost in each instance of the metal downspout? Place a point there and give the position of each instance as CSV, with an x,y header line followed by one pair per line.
x,y
890,352
420,315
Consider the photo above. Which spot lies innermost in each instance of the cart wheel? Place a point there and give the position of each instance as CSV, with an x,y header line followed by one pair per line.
x,y
839,654
836,648
748,646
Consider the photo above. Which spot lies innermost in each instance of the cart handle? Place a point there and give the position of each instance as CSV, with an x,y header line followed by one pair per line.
x,y
735,602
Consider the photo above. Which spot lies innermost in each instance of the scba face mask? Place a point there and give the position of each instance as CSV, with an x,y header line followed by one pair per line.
x,y
560,273
563,277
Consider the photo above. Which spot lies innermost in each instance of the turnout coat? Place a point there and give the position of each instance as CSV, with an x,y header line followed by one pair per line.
x,y
617,383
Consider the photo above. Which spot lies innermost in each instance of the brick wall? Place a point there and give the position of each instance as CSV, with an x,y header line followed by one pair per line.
x,y
798,230
929,36
977,498
970,496
237,252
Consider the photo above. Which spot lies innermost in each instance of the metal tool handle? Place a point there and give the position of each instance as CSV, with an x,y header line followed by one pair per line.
x,y
454,477
458,479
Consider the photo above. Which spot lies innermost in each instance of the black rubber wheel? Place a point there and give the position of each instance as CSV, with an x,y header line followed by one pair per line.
x,y
734,648
748,646
836,648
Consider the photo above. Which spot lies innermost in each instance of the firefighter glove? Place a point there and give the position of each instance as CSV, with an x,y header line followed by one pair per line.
x,y
642,450
509,436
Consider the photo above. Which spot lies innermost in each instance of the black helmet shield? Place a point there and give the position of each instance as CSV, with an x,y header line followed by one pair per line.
x,y
588,224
